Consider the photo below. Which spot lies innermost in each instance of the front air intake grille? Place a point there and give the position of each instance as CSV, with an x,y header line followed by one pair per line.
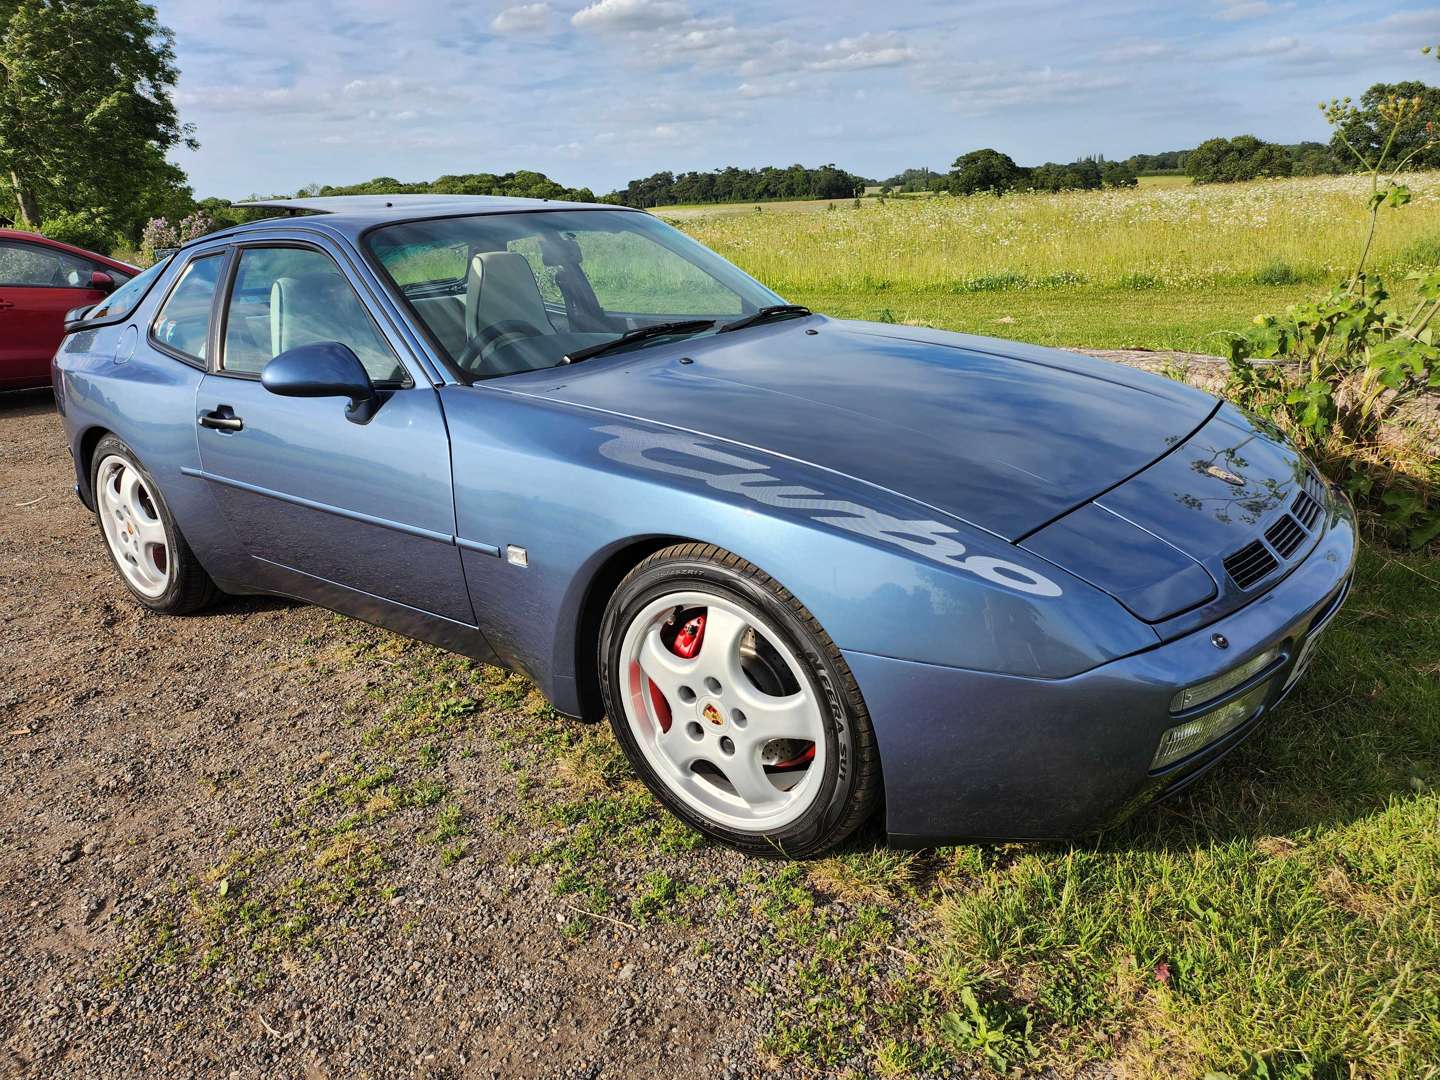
x,y
1250,564
1285,536
1306,508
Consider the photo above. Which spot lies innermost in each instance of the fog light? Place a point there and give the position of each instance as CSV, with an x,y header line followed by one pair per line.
x,y
1184,739
1213,688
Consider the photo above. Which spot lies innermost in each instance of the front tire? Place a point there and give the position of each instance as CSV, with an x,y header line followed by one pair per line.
x,y
145,544
734,706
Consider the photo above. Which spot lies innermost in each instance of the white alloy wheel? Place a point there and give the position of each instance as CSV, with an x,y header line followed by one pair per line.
x,y
130,517
735,729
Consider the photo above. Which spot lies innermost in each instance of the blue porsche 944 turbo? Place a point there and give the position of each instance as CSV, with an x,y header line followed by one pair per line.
x,y
806,566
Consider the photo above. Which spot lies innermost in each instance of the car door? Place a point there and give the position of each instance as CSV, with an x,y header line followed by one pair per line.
x,y
317,498
38,284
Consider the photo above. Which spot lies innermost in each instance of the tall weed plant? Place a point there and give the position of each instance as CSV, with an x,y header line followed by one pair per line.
x,y
1336,372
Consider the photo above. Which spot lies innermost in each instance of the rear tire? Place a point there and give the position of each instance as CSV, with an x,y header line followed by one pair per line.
x,y
144,543
734,706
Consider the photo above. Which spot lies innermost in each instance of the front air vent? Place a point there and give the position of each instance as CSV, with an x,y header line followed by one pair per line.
x,y
1306,508
1285,536
1250,564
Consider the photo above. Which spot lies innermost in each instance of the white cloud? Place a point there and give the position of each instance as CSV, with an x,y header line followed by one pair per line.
x,y
1138,52
630,14
769,89
522,19
1274,46
234,99
1240,10
987,87
1407,29
865,51
1284,49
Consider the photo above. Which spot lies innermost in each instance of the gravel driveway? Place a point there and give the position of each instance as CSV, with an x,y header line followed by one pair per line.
x,y
268,841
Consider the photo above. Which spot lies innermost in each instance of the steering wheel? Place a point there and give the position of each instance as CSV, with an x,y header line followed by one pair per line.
x,y
490,335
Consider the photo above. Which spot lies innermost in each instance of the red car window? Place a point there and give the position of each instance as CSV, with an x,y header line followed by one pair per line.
x,y
29,265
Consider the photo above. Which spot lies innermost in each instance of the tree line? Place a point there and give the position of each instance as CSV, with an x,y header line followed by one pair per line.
x,y
734,184
990,172
522,184
1214,161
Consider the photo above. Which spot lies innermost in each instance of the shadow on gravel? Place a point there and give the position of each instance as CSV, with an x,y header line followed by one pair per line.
x,y
26,402
248,605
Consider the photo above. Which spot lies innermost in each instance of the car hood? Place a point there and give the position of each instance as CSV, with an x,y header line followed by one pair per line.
x,y
1003,435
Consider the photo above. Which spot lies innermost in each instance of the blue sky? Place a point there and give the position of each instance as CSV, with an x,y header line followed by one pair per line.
x,y
598,93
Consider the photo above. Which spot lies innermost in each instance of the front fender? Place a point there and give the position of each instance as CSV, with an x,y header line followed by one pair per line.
x,y
883,574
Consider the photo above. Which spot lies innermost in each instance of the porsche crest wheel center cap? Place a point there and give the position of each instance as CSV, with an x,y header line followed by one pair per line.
x,y
712,714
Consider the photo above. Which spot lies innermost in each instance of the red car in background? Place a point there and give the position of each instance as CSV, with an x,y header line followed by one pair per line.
x,y
40,280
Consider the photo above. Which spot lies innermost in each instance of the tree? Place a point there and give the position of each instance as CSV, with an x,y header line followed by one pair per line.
x,y
912,179
733,184
1365,129
86,115
1313,159
1170,161
985,170
1244,157
1118,174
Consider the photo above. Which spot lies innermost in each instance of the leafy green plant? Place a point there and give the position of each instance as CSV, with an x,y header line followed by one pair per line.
x,y
1000,1036
1139,280
1278,272
1333,372
88,229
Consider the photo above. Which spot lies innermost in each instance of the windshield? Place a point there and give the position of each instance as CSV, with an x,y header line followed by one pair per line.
x,y
504,293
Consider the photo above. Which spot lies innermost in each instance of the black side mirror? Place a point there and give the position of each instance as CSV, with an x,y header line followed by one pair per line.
x,y
323,369
99,279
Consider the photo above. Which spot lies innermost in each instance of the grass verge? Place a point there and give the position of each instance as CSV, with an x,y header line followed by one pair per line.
x,y
1186,320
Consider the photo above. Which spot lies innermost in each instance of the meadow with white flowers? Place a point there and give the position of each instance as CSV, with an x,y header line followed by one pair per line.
x,y
1159,267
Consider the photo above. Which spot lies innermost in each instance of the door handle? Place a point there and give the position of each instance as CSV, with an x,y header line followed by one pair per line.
x,y
6,305
222,418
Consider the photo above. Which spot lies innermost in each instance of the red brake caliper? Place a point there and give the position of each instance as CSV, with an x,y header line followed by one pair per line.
x,y
686,645
803,758
687,641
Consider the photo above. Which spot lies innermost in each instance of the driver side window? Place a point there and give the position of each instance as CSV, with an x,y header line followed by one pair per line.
x,y
284,297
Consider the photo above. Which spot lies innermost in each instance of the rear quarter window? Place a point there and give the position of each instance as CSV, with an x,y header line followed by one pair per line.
x,y
183,323
125,299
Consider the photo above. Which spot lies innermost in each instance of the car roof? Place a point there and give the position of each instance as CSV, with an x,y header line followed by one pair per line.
x,y
45,241
353,214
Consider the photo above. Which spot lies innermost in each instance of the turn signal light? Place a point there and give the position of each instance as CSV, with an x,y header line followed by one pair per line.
x,y
1210,689
1184,739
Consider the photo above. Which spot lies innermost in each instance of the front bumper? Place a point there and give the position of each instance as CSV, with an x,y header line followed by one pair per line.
x,y
972,755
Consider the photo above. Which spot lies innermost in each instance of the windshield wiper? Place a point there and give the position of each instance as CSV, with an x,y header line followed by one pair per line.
x,y
640,333
774,311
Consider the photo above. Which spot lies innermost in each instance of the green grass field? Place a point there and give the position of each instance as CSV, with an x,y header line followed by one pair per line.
x,y
1166,265
1165,181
